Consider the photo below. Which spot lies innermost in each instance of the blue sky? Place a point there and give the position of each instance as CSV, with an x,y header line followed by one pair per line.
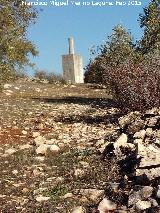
x,y
89,25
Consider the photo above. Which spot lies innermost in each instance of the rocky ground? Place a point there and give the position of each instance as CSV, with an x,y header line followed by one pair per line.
x,y
67,148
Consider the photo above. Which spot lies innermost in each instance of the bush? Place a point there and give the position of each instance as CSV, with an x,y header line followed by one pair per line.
x,y
21,75
118,46
52,78
136,85
94,73
40,74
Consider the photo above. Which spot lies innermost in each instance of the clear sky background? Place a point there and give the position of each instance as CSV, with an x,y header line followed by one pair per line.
x,y
89,25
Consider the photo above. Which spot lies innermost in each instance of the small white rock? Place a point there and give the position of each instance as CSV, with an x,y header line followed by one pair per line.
x,y
84,164
106,205
42,198
54,149
6,86
142,205
8,91
36,172
149,132
158,192
10,151
40,158
61,145
140,134
37,90
39,140
25,146
78,209
68,195
17,88
15,172
78,172
42,149
123,138
35,134
24,132
50,142
92,194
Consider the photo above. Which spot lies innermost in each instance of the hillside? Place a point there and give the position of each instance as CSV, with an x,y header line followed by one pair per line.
x,y
65,148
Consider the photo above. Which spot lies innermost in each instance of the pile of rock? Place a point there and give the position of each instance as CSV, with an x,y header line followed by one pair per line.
x,y
136,146
43,146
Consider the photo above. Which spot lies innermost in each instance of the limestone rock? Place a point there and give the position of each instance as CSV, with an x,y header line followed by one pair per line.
x,y
39,140
35,134
50,142
149,132
42,198
136,126
141,194
42,149
78,209
153,202
122,140
25,190
152,121
128,119
158,192
10,151
146,192
24,132
150,161
7,86
151,112
40,158
121,143
15,172
158,134
68,195
54,149
143,205
133,198
25,146
106,205
79,172
36,172
125,120
141,134
8,92
92,194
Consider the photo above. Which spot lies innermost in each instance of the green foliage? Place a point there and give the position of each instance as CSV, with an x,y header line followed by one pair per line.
x,y
150,21
118,47
57,191
94,73
14,46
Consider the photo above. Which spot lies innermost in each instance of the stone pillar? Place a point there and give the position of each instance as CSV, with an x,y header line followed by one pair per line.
x,y
71,45
72,65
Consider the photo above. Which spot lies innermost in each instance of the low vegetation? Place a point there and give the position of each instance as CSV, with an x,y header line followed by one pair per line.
x,y
51,78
